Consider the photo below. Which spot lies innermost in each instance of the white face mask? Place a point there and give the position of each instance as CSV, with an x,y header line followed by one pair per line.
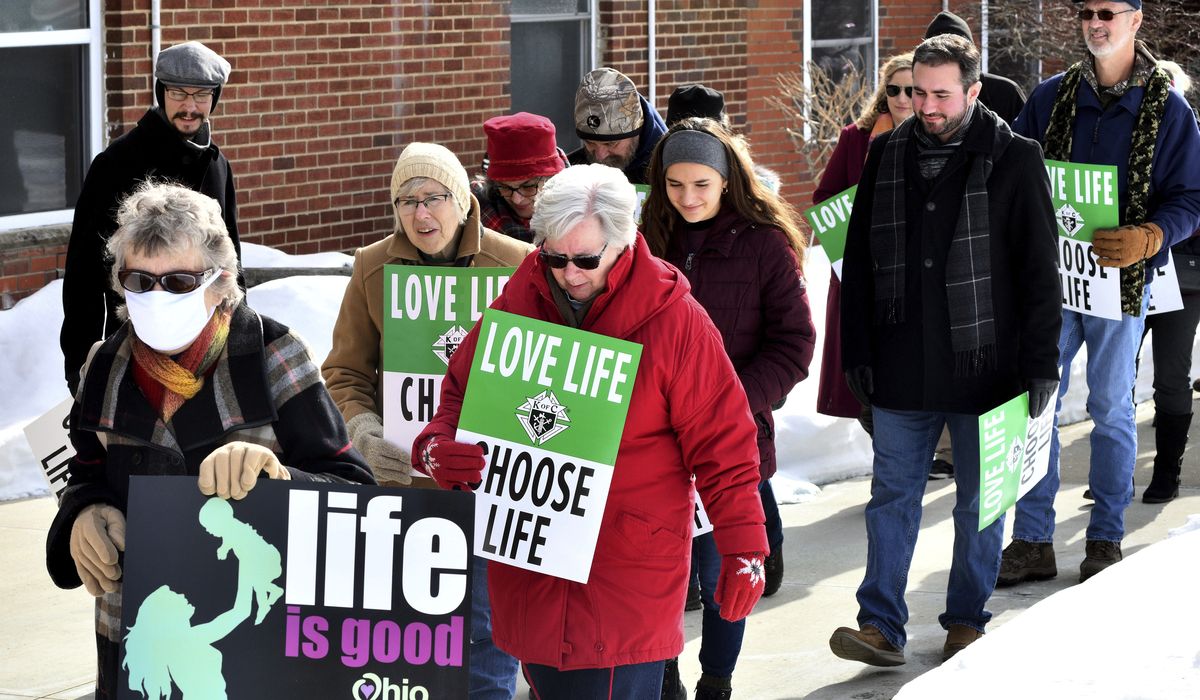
x,y
167,321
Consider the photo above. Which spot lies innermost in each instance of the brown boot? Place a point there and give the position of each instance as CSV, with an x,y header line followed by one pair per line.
x,y
1099,555
1026,561
866,644
958,637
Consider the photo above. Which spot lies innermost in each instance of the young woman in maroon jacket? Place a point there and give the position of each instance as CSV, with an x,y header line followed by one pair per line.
x,y
739,245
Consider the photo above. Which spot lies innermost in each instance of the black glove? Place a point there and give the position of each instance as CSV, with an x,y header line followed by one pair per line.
x,y
1041,393
862,383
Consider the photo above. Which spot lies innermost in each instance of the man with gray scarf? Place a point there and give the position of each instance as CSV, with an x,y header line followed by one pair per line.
x,y
172,141
950,307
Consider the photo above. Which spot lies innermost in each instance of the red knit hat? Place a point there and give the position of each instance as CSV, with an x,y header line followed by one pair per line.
x,y
521,146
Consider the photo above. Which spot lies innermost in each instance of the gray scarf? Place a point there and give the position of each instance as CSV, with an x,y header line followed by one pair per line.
x,y
968,262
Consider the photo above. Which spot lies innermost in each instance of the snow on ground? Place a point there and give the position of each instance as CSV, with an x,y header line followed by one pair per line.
x,y
1128,633
812,449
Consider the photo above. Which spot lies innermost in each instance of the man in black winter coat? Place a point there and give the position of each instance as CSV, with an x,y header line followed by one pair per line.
x,y
172,141
950,307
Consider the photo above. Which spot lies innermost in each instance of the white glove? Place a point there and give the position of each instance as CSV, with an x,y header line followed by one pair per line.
x,y
233,468
96,536
390,462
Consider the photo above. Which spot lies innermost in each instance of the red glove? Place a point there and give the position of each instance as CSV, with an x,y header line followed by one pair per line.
x,y
453,465
741,584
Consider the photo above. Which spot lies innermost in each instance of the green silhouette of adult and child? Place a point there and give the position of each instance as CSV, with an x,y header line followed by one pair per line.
x,y
163,647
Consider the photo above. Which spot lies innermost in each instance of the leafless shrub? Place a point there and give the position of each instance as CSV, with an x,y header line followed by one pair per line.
x,y
816,113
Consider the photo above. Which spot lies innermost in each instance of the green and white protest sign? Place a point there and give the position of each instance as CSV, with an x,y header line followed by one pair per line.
x,y
1085,199
643,191
830,221
427,311
1014,454
1165,296
547,403
701,525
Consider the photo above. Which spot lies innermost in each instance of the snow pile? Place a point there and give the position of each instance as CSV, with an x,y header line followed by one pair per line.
x,y
1129,632
812,449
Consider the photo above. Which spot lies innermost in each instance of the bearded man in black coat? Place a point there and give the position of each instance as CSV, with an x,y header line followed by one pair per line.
x,y
172,141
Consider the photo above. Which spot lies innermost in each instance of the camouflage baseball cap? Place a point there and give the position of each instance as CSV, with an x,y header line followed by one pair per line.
x,y
607,107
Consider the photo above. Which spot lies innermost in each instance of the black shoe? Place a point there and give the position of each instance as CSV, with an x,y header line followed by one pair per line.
x,y
693,601
1170,440
713,688
773,567
941,469
672,687
1100,554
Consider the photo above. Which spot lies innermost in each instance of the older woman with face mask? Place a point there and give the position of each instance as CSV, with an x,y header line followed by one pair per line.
x,y
189,386
437,224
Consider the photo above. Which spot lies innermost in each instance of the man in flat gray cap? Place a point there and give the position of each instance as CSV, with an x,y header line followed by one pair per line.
x,y
172,141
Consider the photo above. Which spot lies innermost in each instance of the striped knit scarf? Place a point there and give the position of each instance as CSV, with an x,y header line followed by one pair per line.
x,y
968,262
1058,139
183,378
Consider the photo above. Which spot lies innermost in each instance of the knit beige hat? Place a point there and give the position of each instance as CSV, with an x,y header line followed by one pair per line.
x,y
435,162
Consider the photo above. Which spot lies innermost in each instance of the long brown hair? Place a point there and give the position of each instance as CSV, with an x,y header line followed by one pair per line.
x,y
752,199
878,105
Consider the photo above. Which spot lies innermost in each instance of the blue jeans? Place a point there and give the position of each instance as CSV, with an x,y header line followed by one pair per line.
x,y
492,673
720,640
903,442
635,682
1112,352
771,510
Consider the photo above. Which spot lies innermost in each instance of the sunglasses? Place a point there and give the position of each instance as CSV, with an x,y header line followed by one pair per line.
x,y
583,262
1104,15
138,281
894,90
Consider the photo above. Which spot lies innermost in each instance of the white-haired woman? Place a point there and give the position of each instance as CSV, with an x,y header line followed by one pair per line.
x,y
195,384
688,417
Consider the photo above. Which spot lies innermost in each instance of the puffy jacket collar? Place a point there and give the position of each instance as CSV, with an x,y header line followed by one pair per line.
x,y
653,129
640,286
468,245
718,238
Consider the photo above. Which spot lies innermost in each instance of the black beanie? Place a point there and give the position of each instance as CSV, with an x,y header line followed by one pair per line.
x,y
949,23
695,101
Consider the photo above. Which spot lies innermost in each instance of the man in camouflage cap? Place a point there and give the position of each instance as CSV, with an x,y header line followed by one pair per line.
x,y
172,141
618,126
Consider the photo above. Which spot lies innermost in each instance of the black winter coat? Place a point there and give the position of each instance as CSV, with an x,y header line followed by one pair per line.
x,y
263,389
912,361
748,280
152,149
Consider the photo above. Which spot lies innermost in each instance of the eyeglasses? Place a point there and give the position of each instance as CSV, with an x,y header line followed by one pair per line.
x,y
894,90
138,281
583,262
432,203
201,97
527,189
1103,15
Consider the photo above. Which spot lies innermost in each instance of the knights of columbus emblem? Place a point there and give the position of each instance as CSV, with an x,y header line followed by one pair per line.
x,y
448,342
1069,220
543,417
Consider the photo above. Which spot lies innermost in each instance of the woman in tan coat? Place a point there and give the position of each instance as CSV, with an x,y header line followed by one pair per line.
x,y
437,224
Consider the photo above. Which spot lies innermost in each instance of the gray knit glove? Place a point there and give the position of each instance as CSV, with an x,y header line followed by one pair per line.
x,y
390,462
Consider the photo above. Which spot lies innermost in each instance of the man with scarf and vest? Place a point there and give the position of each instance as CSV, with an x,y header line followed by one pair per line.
x,y
1112,108
171,142
950,307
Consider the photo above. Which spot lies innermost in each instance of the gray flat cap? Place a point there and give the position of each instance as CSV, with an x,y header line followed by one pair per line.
x,y
191,63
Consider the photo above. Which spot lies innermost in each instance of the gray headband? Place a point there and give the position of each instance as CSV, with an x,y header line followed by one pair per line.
x,y
691,146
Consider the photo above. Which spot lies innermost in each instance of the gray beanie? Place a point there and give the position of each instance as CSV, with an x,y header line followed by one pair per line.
x,y
190,64
691,146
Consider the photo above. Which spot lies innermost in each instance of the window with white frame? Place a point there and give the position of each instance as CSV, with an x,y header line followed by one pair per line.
x,y
553,46
50,112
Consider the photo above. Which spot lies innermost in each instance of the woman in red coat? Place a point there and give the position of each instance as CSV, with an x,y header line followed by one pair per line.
x,y
890,105
688,419
739,245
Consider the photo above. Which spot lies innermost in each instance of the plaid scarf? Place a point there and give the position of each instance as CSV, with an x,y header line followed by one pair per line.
x,y
1060,130
180,379
968,262
496,214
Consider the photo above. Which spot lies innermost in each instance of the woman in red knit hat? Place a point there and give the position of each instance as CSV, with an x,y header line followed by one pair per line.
x,y
521,155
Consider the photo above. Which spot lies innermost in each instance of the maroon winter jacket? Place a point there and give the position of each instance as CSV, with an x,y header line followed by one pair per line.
x,y
687,417
748,280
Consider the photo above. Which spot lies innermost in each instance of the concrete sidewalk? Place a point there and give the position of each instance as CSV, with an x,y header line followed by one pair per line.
x,y
47,648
